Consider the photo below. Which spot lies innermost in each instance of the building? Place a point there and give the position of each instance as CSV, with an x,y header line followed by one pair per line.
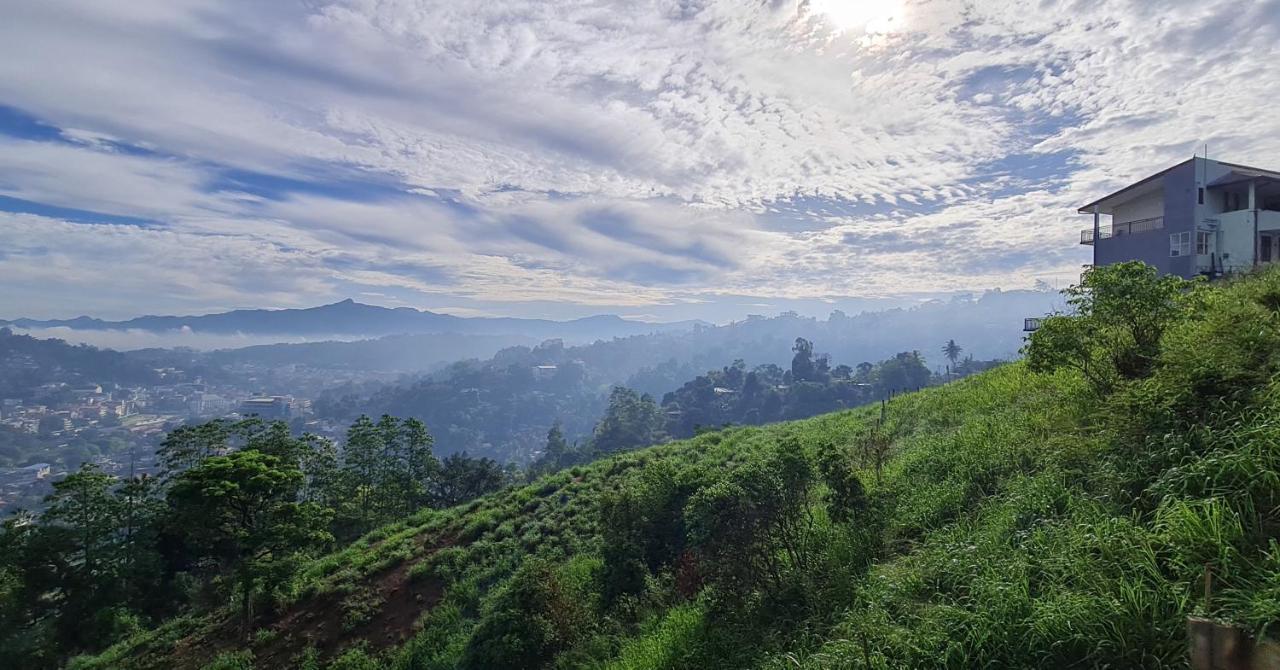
x,y
267,407
1199,217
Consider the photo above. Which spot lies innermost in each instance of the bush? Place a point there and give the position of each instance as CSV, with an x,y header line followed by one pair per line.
x,y
232,660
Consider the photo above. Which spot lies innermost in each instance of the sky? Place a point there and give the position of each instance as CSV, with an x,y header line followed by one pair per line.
x,y
657,159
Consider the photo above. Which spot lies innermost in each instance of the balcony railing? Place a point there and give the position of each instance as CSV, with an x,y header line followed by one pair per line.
x,y
1126,228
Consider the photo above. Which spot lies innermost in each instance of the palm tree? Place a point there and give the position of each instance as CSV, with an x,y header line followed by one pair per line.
x,y
952,351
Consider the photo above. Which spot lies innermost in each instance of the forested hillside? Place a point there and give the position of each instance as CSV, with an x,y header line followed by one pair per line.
x,y
27,362
1058,512
503,408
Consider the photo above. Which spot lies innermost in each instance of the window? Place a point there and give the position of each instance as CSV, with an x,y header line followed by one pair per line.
x,y
1204,242
1200,195
1180,244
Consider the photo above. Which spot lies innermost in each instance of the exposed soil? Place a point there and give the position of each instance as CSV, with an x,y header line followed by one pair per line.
x,y
395,603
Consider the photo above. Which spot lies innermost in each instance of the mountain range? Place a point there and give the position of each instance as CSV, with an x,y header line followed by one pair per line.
x,y
350,318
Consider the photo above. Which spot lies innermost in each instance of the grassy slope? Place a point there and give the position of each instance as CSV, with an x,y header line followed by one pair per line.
x,y
1015,532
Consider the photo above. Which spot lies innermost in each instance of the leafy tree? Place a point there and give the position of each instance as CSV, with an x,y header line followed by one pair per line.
x,y
754,526
905,371
463,478
643,530
535,616
82,503
802,368
632,421
140,512
241,509
1119,314
187,445
557,447
362,458
420,465
846,496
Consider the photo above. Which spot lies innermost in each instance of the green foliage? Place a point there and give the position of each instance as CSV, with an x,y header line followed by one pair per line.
x,y
755,525
232,660
767,393
242,509
1120,313
537,614
631,421
952,351
846,496
672,644
1020,519
642,528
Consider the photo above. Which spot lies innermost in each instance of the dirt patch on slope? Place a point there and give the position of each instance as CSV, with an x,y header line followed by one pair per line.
x,y
382,613
332,623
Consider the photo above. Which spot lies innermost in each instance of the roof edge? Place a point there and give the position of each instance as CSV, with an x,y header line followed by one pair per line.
x,y
1088,209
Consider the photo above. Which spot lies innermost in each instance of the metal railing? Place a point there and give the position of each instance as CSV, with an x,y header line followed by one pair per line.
x,y
1031,324
1126,228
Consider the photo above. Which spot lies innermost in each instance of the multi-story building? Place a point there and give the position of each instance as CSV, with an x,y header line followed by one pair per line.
x,y
267,407
1199,217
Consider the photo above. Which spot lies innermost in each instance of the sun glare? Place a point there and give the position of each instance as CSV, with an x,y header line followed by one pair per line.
x,y
871,16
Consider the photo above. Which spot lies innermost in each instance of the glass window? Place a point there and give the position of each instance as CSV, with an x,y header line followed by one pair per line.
x,y
1180,244
1204,242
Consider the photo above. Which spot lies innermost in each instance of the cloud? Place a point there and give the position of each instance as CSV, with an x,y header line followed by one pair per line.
x,y
481,156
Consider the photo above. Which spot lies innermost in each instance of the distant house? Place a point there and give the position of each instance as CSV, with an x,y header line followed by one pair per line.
x,y
24,476
1199,217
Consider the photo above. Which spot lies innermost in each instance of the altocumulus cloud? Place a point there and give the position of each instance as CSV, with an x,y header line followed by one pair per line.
x,y
506,156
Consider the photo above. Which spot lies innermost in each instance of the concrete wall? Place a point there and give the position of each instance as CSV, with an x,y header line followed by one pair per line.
x,y
1235,240
1143,207
1151,247
1181,213
1268,220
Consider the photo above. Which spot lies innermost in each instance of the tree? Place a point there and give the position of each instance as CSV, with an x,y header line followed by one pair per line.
x,y
952,351
754,526
140,510
1120,312
905,371
631,421
642,527
462,478
846,496
421,465
556,447
187,445
82,503
242,510
362,465
534,616
802,363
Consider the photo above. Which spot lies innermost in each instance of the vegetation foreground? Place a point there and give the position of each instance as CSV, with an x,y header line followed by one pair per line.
x,y
1059,512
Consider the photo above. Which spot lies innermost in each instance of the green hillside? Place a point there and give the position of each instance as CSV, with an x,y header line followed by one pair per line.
x,y
1062,517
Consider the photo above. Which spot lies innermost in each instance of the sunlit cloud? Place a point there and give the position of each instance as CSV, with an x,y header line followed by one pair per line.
x,y
583,156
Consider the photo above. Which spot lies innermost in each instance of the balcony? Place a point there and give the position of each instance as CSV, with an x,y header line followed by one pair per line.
x,y
1126,228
